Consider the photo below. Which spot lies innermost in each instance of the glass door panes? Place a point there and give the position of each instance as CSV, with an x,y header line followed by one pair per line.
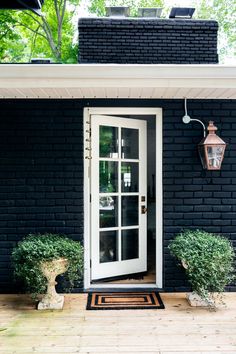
x,y
129,177
108,246
118,180
108,176
129,143
129,210
119,193
130,244
108,211
108,143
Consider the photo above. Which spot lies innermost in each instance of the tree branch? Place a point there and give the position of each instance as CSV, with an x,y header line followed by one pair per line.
x,y
33,43
28,13
60,25
47,30
57,10
5,33
50,39
20,24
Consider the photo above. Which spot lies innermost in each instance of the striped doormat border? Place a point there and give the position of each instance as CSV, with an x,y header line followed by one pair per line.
x,y
124,301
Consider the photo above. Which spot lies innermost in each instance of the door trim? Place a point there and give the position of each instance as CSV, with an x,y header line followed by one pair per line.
x,y
157,112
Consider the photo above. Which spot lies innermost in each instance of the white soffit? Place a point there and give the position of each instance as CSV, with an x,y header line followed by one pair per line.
x,y
117,81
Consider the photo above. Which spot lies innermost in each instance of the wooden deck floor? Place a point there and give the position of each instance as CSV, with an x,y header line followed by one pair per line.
x,y
177,329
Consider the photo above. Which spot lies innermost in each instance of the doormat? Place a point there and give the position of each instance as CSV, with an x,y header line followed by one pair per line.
x,y
124,301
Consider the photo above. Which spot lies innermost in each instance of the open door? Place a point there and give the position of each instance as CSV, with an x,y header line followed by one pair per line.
x,y
118,196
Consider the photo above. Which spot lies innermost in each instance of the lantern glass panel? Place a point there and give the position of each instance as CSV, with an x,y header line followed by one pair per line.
x,y
201,150
214,154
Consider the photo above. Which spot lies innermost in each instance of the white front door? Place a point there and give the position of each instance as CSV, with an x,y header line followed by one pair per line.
x,y
118,196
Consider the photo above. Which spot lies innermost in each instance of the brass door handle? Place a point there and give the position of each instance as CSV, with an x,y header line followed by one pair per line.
x,y
143,209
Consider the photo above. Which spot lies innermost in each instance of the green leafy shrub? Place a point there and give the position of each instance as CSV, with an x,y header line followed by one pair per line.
x,y
209,261
34,249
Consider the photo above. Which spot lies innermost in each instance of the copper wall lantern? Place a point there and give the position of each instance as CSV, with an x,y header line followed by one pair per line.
x,y
211,148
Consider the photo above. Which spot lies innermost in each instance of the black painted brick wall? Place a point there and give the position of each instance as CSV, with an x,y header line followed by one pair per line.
x,y
195,198
147,41
41,173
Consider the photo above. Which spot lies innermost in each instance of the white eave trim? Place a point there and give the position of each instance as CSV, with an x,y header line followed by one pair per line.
x,y
169,78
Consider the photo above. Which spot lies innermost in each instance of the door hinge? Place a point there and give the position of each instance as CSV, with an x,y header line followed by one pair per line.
x,y
90,263
90,198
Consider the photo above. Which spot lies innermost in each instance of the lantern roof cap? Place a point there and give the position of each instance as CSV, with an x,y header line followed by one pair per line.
x,y
212,138
211,127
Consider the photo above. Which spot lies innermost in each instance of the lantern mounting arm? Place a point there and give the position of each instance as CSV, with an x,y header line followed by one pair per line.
x,y
187,119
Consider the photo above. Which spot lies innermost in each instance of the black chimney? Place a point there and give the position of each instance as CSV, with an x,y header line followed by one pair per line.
x,y
147,41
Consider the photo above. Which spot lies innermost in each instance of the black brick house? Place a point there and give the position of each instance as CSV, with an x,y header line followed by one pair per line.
x,y
125,101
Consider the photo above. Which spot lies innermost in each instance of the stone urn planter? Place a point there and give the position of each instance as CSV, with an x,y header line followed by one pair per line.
x,y
196,300
193,298
51,269
150,12
209,263
39,258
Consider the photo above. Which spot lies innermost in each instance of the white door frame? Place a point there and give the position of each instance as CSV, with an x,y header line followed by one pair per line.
x,y
157,112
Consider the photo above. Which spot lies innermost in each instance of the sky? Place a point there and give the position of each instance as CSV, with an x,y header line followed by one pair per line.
x,y
180,3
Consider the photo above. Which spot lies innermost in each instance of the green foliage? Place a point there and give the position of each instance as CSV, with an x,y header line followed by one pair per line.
x,y
24,35
10,37
34,249
225,13
51,35
209,259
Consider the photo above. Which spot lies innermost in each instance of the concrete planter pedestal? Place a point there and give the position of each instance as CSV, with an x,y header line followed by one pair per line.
x,y
196,301
51,269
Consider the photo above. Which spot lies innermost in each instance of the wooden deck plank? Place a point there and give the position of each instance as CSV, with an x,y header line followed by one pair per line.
x,y
177,329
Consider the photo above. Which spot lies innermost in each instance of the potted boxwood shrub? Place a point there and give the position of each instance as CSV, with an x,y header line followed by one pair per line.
x,y
39,258
209,263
